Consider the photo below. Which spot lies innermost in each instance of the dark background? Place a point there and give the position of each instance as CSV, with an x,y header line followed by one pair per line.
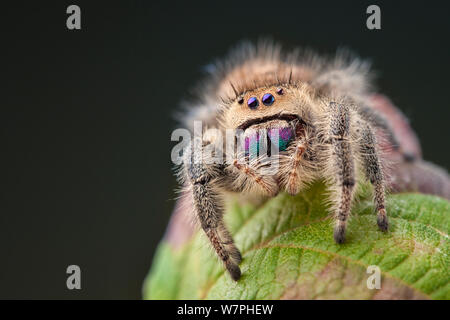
x,y
87,116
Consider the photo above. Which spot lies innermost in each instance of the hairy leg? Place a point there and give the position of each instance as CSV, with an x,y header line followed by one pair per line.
x,y
378,121
342,165
202,180
292,179
373,171
267,184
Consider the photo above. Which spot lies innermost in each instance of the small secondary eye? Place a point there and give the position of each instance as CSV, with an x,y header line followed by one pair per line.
x,y
280,91
252,103
241,100
268,99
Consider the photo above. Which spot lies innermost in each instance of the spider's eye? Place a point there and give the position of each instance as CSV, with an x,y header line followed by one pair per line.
x,y
268,99
241,100
252,103
280,91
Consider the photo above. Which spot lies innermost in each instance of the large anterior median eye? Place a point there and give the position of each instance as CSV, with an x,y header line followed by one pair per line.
x,y
268,99
252,103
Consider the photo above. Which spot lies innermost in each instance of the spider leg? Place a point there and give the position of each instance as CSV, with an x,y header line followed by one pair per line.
x,y
378,121
373,171
292,179
343,167
203,181
267,184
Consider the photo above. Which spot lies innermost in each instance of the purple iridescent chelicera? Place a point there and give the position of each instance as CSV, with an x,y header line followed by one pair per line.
x,y
282,136
252,103
268,99
285,135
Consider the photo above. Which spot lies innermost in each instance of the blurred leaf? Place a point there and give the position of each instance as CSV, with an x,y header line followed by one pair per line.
x,y
289,252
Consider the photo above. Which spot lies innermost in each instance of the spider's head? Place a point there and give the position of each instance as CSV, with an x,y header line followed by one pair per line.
x,y
272,109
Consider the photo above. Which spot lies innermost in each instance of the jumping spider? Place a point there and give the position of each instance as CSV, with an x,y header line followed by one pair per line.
x,y
323,107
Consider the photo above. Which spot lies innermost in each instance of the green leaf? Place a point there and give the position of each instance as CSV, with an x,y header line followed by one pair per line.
x,y
289,252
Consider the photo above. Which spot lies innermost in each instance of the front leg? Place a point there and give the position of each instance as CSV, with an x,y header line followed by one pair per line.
x,y
292,180
341,166
203,181
253,180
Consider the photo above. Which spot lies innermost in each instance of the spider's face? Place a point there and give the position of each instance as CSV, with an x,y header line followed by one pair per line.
x,y
272,109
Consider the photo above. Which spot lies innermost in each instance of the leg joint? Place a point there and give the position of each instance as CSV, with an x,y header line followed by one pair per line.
x,y
349,182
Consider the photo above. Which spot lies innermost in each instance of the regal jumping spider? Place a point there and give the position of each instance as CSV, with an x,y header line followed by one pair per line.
x,y
322,106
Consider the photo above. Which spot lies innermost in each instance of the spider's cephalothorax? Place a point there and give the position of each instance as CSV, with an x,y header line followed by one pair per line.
x,y
321,111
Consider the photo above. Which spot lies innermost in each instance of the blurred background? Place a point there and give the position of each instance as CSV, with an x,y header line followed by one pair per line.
x,y
87,116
